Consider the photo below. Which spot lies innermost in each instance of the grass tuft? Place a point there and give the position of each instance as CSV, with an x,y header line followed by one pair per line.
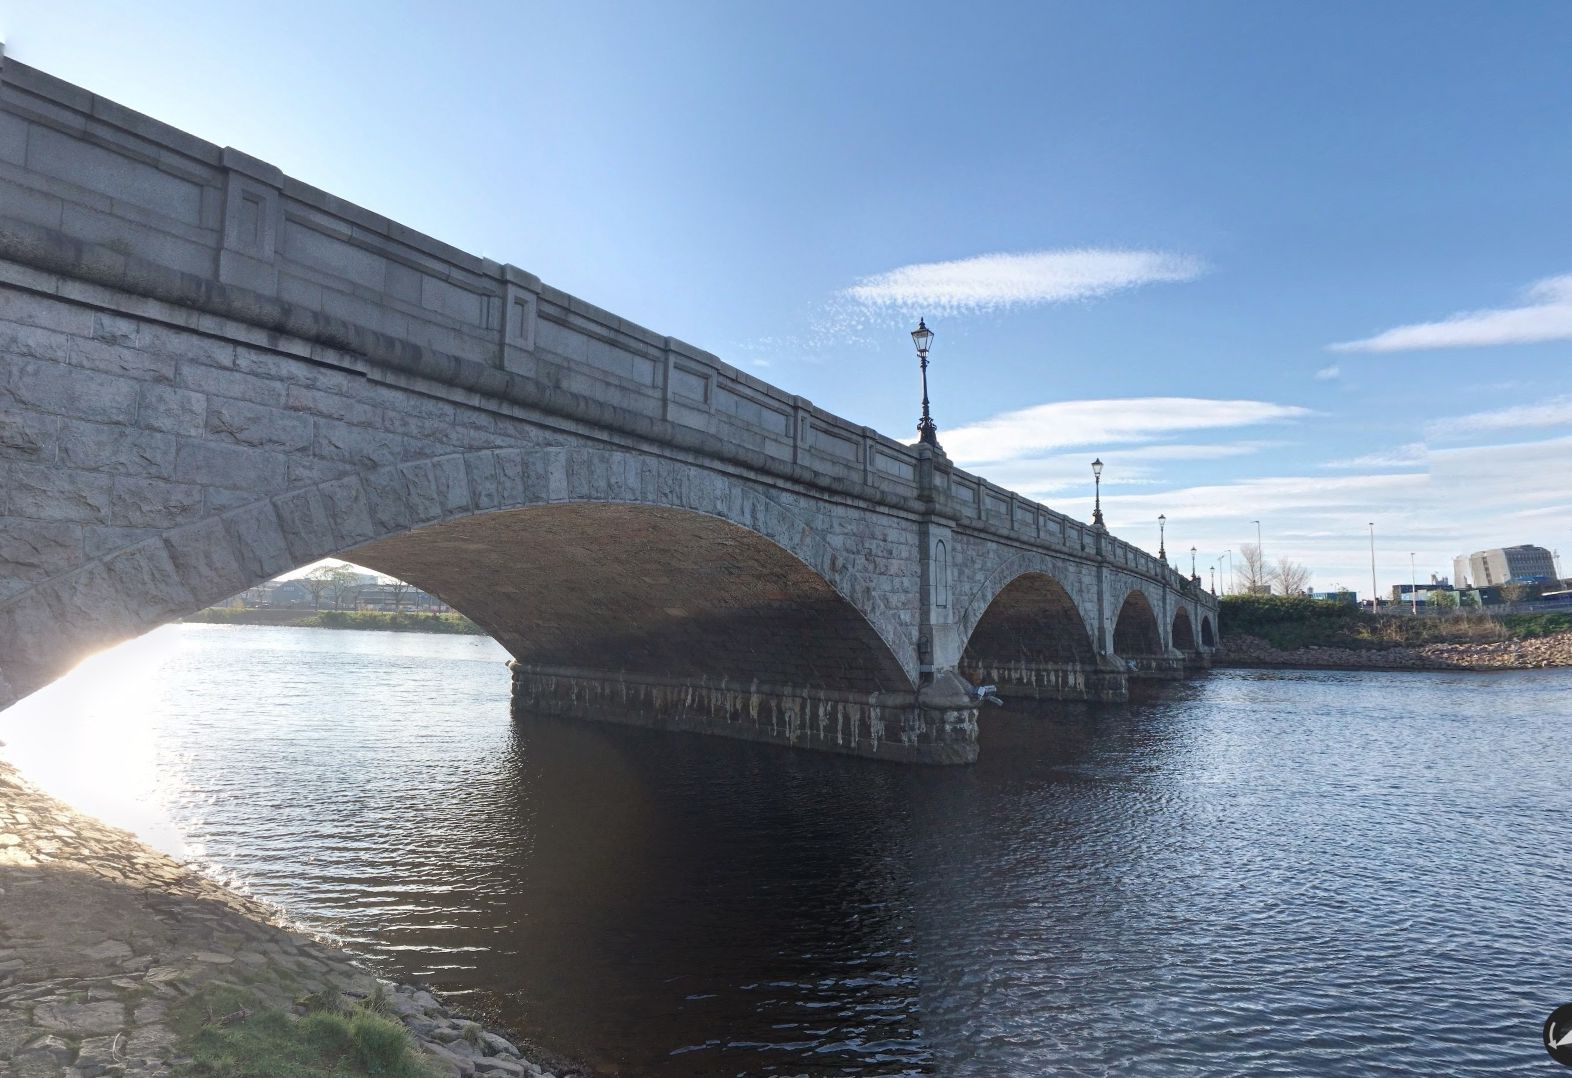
x,y
228,1033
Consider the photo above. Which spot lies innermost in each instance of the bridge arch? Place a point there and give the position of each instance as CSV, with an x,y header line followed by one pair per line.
x,y
1137,634
1183,632
470,527
1074,579
1208,637
1031,624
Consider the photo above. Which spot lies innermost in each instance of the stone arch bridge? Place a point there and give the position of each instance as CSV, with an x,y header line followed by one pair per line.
x,y
211,374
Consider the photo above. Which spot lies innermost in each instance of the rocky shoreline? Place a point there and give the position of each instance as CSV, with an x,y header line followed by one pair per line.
x,y
102,938
1544,651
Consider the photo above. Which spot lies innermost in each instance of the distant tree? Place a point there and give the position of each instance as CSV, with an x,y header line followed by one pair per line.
x,y
397,589
1441,599
1290,577
317,582
337,582
1517,591
1253,572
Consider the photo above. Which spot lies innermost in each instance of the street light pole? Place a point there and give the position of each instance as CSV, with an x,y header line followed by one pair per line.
x,y
1260,557
1193,574
1162,526
1097,508
1230,589
927,429
1413,586
1214,579
1375,596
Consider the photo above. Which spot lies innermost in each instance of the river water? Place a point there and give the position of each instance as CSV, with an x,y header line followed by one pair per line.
x,y
1257,872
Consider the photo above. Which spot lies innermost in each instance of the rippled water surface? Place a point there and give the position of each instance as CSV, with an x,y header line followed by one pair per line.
x,y
1254,873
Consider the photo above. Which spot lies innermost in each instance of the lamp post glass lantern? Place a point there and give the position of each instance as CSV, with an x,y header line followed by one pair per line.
x,y
1097,504
927,429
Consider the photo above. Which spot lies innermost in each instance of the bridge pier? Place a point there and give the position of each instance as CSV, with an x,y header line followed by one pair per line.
x,y
936,726
1158,667
1097,682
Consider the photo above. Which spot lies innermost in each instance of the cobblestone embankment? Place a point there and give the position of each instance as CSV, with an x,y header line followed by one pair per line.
x,y
101,937
1554,650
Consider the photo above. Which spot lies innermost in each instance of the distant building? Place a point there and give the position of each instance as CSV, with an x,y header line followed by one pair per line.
x,y
1418,594
1524,564
285,593
1341,596
1461,572
395,595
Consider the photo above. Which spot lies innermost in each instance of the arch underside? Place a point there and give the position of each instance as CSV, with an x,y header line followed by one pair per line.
x,y
1138,641
1183,634
1032,641
644,591
653,616
1208,637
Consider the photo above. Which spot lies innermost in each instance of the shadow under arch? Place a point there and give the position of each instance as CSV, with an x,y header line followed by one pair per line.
x,y
1183,634
1031,640
645,591
1208,637
1138,641
1136,632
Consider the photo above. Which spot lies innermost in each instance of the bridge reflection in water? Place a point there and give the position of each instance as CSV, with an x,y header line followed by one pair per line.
x,y
1137,888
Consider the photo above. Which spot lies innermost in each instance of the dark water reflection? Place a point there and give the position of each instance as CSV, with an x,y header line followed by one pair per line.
x,y
1256,873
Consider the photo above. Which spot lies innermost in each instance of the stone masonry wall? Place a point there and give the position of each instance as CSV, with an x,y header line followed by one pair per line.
x,y
151,469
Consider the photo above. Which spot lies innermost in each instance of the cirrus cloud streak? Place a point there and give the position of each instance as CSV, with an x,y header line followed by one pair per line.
x,y
998,281
1103,423
1546,315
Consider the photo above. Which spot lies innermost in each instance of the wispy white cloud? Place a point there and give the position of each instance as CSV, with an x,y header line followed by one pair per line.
x,y
1513,493
1127,466
1327,374
995,281
1103,424
1545,413
1545,315
1403,456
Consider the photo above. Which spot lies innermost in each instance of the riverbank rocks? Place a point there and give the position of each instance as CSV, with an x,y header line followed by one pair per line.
x,y
101,937
1544,651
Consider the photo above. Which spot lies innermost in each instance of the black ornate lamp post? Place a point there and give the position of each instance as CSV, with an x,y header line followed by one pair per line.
x,y
1162,527
1214,580
927,429
1193,574
1097,507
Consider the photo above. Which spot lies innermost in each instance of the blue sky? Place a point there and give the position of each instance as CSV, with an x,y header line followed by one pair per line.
x,y
1305,264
